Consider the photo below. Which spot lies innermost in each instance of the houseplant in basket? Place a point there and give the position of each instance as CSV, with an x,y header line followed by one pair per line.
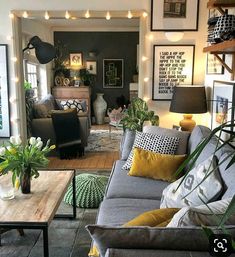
x,y
24,160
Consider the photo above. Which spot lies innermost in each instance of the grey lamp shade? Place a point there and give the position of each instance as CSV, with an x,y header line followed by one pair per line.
x,y
189,99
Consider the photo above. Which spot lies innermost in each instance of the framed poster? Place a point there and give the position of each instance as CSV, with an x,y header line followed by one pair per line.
x,y
91,67
223,98
172,66
4,98
174,15
75,59
214,66
113,73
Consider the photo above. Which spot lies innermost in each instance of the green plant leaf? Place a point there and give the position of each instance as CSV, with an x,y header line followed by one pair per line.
x,y
229,211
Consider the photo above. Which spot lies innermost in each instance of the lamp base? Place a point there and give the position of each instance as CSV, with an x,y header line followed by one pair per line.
x,y
187,124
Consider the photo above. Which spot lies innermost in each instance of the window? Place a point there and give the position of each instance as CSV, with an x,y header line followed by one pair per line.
x,y
31,76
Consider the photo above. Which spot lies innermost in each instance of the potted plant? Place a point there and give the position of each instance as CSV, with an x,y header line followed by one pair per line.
x,y
29,92
136,114
86,77
24,160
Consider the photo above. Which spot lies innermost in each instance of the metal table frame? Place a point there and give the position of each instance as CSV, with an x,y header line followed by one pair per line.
x,y
43,225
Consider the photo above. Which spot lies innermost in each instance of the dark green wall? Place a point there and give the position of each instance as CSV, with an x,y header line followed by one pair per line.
x,y
108,45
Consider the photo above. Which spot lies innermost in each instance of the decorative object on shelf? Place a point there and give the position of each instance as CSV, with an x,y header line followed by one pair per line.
x,y
224,28
223,99
174,15
99,106
214,66
75,59
214,15
172,66
45,52
188,99
90,190
86,77
113,73
59,81
91,67
136,114
66,82
24,160
136,75
4,98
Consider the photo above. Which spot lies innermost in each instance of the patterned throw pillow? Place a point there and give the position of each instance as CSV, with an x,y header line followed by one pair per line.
x,y
209,190
65,104
154,143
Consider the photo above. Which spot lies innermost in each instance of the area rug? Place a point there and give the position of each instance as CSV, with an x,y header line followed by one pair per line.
x,y
102,140
67,238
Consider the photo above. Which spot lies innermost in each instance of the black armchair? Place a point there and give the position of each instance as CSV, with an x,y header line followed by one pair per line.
x,y
68,140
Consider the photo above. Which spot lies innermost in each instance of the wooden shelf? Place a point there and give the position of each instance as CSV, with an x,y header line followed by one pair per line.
x,y
226,47
214,4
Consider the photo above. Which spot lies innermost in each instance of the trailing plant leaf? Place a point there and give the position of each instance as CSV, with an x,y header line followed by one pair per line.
x,y
229,212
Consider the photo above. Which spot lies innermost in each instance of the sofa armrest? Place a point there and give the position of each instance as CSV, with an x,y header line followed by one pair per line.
x,y
113,252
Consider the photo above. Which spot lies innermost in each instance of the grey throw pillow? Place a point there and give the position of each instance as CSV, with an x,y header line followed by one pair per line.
x,y
150,238
182,135
40,111
127,143
209,190
204,215
152,142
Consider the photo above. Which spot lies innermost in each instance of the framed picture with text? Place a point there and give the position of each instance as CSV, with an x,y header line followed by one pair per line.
x,y
223,99
174,15
113,73
4,98
172,65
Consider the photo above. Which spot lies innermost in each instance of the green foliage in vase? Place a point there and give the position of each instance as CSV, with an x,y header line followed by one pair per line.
x,y
86,77
62,55
136,114
17,157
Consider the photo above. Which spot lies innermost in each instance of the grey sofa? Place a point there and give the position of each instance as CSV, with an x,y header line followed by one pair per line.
x,y
126,197
41,122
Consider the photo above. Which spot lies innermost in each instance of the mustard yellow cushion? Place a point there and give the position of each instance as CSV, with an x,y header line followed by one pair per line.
x,y
155,165
155,218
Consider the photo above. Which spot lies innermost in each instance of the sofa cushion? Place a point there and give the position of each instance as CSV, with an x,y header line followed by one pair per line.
x,y
127,143
121,210
151,238
182,135
123,186
65,104
155,165
43,108
202,215
152,142
178,195
227,175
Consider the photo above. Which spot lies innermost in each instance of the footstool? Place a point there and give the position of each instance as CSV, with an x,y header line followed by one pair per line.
x,y
90,189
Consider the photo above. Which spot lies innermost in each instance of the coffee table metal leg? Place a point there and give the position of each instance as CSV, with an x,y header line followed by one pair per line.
x,y
45,242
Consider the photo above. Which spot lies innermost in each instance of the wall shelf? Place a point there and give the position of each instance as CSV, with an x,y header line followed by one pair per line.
x,y
226,47
214,4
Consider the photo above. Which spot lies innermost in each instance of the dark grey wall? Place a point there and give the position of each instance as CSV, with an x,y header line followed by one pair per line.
x,y
108,45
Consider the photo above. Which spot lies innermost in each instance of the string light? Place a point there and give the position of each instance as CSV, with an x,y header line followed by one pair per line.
x,y
46,16
14,59
146,79
144,58
12,99
145,14
108,17
14,120
150,37
87,14
25,15
16,79
11,15
9,37
67,15
129,15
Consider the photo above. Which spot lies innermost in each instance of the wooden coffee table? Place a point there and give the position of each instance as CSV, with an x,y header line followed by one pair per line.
x,y
36,210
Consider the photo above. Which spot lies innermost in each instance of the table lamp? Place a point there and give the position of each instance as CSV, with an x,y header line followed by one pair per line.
x,y
188,100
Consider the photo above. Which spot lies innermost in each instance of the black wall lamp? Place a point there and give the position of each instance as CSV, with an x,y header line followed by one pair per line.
x,y
44,51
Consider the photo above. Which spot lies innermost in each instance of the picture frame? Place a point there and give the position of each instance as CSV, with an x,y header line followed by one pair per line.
x,y
113,70
75,59
213,65
91,67
174,15
5,129
223,98
172,65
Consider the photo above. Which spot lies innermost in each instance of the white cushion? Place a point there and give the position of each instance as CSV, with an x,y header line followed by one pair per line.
x,y
152,142
202,215
209,190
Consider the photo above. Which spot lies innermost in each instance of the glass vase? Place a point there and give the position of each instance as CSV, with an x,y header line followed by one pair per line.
x,y
7,191
25,181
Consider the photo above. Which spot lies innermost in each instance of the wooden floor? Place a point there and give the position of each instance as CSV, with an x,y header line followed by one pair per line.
x,y
91,160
